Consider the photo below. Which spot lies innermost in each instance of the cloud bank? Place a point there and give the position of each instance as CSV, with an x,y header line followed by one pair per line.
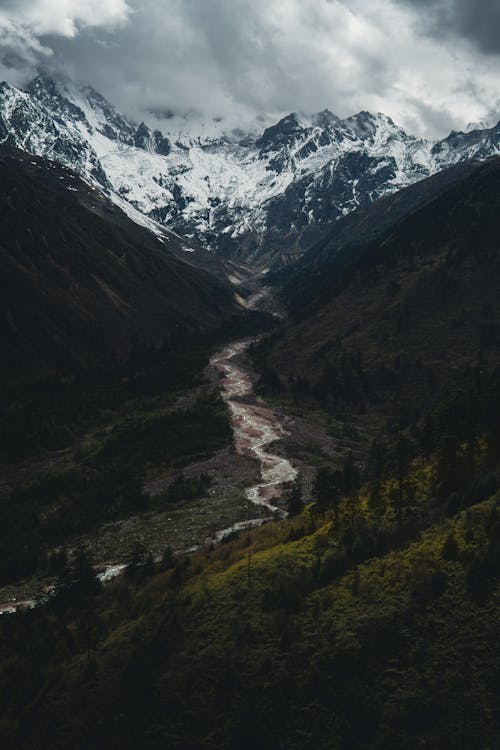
x,y
62,17
477,21
23,23
432,65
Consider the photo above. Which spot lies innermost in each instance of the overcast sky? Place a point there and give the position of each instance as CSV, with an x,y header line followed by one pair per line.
x,y
432,65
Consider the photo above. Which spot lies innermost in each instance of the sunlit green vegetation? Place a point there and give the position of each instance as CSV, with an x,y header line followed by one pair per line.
x,y
336,629
368,620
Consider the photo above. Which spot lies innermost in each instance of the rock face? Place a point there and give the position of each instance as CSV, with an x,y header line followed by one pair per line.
x,y
261,200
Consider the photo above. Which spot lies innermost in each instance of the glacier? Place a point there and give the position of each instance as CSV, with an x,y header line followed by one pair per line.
x,y
260,199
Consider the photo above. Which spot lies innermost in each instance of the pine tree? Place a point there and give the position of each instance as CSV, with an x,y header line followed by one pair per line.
x,y
326,489
294,499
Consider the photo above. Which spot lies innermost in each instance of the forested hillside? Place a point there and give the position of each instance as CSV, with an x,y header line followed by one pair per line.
x,y
414,313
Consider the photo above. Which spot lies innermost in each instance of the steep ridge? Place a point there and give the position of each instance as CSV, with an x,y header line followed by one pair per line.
x,y
81,284
262,199
346,241
416,312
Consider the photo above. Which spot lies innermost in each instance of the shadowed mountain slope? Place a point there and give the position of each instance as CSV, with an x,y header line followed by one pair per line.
x,y
346,241
416,310
81,285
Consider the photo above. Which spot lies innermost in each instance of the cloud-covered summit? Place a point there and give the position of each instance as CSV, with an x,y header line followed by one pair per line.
x,y
430,65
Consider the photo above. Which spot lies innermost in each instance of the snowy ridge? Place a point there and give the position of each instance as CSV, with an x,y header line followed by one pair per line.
x,y
257,199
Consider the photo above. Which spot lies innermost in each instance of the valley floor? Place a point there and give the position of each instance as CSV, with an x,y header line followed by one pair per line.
x,y
366,621
245,479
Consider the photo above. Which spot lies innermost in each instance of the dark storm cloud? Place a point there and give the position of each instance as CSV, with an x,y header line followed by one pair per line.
x,y
478,21
240,60
224,57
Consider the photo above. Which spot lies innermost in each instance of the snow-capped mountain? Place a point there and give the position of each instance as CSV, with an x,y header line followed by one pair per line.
x,y
258,199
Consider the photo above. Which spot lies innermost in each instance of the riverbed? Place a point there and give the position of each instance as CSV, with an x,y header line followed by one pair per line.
x,y
256,427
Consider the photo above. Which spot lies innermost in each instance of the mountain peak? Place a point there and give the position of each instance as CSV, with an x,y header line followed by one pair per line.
x,y
366,124
325,119
481,125
283,133
154,142
43,83
143,129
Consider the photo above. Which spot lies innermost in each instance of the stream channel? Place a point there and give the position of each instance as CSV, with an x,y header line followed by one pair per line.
x,y
255,427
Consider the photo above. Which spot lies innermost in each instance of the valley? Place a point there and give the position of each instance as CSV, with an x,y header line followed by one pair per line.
x,y
244,483
249,433
229,502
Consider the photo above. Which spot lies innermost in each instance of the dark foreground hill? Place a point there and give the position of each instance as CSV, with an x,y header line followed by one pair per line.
x,y
81,285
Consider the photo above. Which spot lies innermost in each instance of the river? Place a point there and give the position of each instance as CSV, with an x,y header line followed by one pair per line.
x,y
256,428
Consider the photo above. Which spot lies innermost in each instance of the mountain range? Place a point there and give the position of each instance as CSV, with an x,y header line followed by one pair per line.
x,y
261,199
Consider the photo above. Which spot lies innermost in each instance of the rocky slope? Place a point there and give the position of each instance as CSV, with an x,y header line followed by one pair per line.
x,y
260,199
